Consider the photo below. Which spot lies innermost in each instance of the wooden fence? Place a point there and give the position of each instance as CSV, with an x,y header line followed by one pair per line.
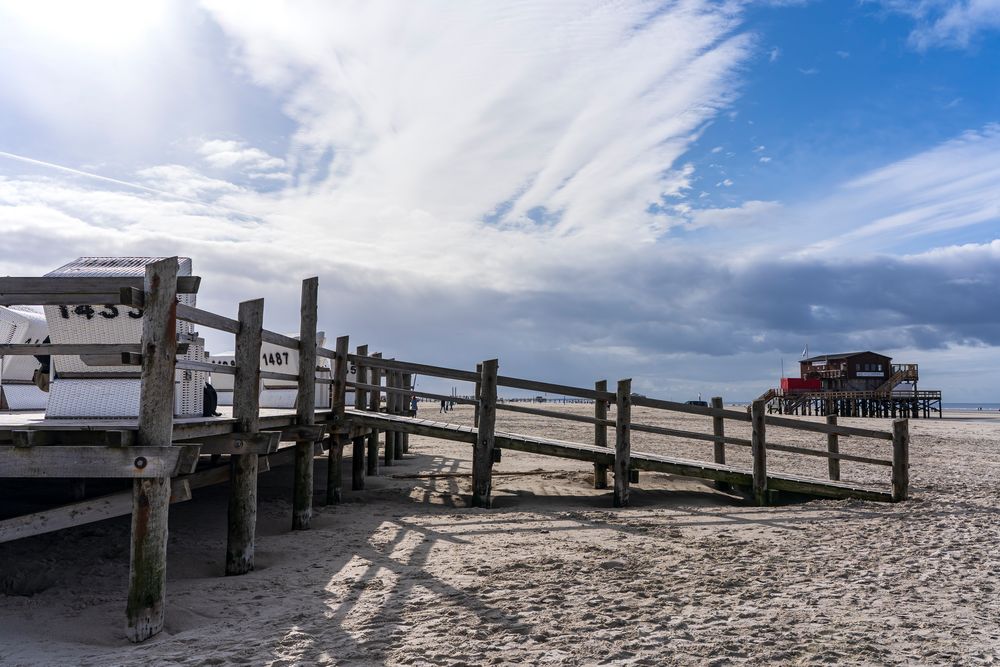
x,y
487,403
160,454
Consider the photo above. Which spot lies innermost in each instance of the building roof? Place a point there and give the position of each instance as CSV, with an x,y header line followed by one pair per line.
x,y
841,355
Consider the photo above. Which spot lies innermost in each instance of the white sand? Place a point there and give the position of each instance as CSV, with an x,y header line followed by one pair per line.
x,y
403,573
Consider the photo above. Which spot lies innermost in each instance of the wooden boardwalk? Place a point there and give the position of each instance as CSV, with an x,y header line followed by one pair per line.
x,y
605,456
165,458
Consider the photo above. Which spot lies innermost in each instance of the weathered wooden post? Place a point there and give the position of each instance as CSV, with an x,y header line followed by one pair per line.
x,y
900,459
600,434
390,435
358,443
305,407
833,447
405,399
147,581
482,455
375,378
719,430
478,389
759,451
397,409
242,522
335,457
623,442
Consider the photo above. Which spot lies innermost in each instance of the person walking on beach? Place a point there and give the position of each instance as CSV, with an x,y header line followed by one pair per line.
x,y
444,406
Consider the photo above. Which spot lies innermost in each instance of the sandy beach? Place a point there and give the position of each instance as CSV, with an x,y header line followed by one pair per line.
x,y
404,573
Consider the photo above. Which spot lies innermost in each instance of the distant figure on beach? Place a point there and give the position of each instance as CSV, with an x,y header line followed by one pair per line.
x,y
444,406
413,405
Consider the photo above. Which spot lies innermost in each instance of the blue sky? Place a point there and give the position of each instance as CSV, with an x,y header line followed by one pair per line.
x,y
682,192
838,88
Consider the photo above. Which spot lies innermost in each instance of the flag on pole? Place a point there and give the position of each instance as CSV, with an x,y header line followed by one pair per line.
x,y
805,351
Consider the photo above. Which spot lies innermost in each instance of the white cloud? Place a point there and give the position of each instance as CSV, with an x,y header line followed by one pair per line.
x,y
765,159
230,154
476,111
950,186
950,23
809,71
184,181
749,213
773,54
915,202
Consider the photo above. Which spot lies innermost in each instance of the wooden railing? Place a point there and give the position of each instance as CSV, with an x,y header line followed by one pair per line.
x,y
900,373
758,443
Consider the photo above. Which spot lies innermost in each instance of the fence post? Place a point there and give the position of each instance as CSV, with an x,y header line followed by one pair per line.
x,y
374,397
623,442
390,435
147,580
900,459
600,434
397,409
335,456
482,455
833,447
479,386
407,384
759,452
358,443
246,412
719,429
305,407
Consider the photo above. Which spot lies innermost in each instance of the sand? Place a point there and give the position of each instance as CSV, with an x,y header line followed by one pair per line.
x,y
404,573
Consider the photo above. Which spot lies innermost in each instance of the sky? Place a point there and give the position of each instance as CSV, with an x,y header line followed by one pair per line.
x,y
687,193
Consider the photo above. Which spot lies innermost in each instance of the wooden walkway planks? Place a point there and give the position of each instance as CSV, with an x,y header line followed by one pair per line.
x,y
184,429
639,460
362,421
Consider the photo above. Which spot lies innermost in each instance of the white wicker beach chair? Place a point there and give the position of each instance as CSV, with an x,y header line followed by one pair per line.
x,y
79,390
21,324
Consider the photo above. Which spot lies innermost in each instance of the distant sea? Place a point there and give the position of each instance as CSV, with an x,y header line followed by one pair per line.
x,y
991,407
987,407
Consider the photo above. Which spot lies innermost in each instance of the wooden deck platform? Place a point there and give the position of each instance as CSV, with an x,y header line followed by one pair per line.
x,y
184,429
606,456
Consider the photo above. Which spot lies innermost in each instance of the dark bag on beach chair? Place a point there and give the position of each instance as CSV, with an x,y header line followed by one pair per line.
x,y
211,402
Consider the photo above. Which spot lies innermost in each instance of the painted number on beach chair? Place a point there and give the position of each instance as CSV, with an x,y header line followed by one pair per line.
x,y
274,358
108,311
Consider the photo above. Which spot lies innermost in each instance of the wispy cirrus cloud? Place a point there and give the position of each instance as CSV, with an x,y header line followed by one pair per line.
x,y
570,116
910,205
950,186
949,23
